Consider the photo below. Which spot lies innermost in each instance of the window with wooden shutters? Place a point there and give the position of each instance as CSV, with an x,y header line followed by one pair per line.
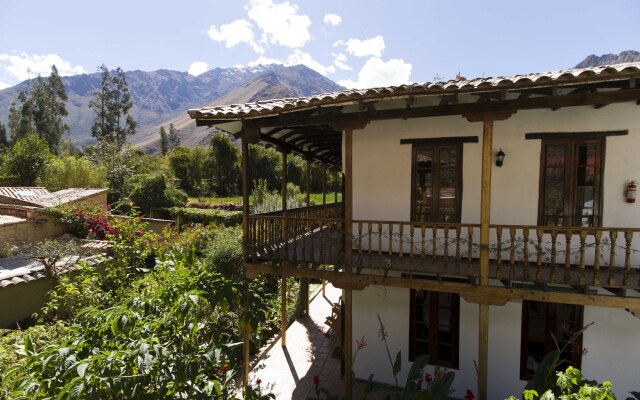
x,y
436,182
434,327
544,324
570,182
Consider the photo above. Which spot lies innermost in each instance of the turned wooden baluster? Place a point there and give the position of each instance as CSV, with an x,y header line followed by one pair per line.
x,y
446,249
401,233
583,238
422,246
370,233
567,257
411,234
360,240
458,252
539,234
613,237
525,253
379,239
628,236
512,253
312,236
390,240
554,237
434,247
596,258
321,232
499,253
470,251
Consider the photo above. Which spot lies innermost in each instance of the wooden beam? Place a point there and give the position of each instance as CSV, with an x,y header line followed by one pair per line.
x,y
358,120
347,202
483,351
494,295
246,343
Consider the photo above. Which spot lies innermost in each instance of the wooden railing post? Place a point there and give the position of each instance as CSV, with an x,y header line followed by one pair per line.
x,y
245,232
347,201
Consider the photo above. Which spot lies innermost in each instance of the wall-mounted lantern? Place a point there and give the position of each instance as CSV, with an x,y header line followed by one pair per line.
x,y
500,158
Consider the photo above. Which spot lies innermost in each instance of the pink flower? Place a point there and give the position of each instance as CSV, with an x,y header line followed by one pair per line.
x,y
428,378
361,344
470,395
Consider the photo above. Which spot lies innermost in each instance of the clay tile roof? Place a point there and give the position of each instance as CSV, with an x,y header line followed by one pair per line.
x,y
275,106
41,197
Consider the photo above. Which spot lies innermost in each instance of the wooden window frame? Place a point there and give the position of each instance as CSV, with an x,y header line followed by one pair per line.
x,y
433,322
550,326
571,141
438,143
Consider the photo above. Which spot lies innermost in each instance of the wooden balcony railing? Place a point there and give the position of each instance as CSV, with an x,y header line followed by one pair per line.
x,y
603,257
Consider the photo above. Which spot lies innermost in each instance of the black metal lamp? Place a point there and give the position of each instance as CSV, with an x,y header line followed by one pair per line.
x,y
500,158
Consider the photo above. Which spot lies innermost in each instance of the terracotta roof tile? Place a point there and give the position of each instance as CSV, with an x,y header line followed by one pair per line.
x,y
272,107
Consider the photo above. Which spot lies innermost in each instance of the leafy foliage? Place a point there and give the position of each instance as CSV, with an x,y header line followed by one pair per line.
x,y
225,254
26,162
156,191
189,215
571,385
72,172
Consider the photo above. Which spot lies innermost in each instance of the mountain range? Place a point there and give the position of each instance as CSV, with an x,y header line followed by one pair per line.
x,y
163,97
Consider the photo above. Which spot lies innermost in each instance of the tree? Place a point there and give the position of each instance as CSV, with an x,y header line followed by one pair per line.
x,y
155,190
14,123
111,104
42,109
3,136
224,164
164,141
48,109
174,137
26,162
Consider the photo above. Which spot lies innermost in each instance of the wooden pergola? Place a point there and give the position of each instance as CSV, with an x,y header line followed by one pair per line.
x,y
320,128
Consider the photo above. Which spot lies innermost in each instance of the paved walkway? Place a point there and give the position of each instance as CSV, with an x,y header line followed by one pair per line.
x,y
288,372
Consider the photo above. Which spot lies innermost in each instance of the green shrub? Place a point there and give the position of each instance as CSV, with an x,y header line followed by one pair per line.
x,y
225,254
155,191
189,215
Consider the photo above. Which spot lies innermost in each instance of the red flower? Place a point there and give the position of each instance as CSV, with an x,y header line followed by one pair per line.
x,y
316,381
258,381
225,368
469,395
428,378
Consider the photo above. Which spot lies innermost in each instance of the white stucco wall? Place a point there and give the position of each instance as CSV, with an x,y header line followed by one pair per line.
x,y
382,166
382,191
612,352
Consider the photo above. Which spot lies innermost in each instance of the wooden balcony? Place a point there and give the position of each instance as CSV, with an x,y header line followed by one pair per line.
x,y
535,257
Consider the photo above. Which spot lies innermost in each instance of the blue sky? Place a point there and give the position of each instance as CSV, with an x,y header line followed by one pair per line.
x,y
354,42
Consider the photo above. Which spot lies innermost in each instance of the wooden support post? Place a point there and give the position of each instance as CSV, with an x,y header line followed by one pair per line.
x,y
283,310
283,323
245,231
485,218
305,281
284,182
324,186
347,200
335,185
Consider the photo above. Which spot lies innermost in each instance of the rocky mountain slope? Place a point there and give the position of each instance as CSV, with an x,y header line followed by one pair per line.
x,y
163,96
607,59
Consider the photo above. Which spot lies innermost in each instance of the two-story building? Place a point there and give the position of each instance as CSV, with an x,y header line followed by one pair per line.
x,y
483,220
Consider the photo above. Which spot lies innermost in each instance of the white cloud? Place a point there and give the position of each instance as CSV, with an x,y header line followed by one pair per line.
x,y
295,58
363,48
280,23
377,72
197,68
262,60
332,19
4,85
339,60
17,67
234,33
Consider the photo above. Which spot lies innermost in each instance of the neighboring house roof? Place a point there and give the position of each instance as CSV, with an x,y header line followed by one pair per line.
x,y
10,219
41,197
276,106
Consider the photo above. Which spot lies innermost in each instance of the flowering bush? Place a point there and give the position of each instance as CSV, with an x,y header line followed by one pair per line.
x,y
85,220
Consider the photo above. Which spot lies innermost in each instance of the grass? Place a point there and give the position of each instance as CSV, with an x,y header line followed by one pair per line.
x,y
316,198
